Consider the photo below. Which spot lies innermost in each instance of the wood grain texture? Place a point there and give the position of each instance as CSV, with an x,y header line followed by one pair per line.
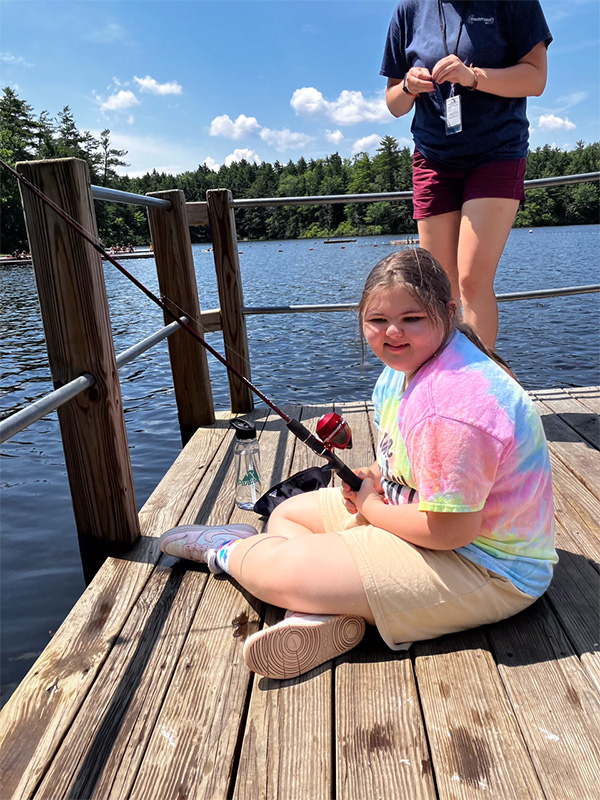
x,y
381,747
177,281
197,213
589,396
476,745
573,412
231,296
77,328
556,703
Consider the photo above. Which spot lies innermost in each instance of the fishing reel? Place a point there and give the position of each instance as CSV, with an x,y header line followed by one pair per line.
x,y
334,431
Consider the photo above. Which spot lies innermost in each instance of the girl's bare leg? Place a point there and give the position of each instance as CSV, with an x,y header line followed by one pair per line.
x,y
484,229
439,235
291,567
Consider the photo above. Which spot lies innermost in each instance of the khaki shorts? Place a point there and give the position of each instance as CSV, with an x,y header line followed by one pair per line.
x,y
415,593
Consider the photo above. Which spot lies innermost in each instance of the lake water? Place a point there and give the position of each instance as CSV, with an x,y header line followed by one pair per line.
x,y
300,358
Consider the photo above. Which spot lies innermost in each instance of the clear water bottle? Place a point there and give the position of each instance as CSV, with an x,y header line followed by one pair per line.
x,y
247,458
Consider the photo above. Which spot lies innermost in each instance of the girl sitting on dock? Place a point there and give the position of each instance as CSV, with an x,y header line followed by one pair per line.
x,y
453,526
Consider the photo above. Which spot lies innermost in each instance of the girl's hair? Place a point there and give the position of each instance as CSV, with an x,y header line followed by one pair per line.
x,y
424,278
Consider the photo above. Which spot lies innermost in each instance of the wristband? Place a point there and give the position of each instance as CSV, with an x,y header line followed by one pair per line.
x,y
474,86
405,87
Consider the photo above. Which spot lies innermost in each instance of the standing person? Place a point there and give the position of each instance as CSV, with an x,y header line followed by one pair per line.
x,y
453,524
467,67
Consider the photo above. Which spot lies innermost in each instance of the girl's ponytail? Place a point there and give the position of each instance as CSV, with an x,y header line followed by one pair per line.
x,y
469,332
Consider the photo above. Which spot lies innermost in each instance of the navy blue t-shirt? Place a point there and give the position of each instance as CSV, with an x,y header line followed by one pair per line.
x,y
494,35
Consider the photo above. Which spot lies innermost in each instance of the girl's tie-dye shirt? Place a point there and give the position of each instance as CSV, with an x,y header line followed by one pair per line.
x,y
464,436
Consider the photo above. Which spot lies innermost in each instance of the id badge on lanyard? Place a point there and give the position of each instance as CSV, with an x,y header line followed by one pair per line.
x,y
453,113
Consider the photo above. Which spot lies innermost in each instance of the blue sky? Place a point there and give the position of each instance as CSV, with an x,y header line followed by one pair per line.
x,y
185,82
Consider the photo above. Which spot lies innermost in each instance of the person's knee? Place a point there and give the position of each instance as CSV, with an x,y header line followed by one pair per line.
x,y
474,284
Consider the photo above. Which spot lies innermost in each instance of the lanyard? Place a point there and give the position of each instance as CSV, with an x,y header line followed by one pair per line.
x,y
443,29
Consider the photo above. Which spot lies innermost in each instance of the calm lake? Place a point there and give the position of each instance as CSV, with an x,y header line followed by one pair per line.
x,y
302,358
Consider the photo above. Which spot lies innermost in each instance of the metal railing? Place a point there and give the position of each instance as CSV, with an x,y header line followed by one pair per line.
x,y
22,419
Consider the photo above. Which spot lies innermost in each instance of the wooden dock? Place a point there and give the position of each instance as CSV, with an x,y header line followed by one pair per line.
x,y
143,692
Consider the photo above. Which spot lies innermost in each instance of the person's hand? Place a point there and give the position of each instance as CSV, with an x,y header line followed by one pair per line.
x,y
419,80
452,69
354,501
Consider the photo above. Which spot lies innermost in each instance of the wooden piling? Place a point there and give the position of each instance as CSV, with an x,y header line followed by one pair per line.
x,y
72,295
231,298
178,286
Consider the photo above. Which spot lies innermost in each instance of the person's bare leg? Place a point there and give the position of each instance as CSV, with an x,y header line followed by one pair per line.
x,y
484,228
311,574
439,235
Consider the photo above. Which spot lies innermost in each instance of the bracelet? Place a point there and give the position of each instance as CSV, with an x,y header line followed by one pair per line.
x,y
474,86
405,87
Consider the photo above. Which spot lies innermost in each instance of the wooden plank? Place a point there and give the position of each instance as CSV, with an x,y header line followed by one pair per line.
x,y
381,747
476,745
197,213
103,748
589,396
574,413
284,713
577,509
37,716
574,595
575,453
557,705
362,453
192,749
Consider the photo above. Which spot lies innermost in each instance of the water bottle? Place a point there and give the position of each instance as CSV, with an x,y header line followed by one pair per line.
x,y
247,458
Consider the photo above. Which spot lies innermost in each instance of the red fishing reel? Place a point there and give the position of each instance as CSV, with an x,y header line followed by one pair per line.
x,y
334,431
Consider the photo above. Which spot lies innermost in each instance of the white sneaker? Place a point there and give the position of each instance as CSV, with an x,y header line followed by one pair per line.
x,y
198,542
300,642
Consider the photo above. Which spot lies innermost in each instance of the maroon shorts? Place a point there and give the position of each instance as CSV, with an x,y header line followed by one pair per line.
x,y
438,189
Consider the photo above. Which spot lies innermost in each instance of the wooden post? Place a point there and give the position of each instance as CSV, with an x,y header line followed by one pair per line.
x,y
231,297
177,281
72,295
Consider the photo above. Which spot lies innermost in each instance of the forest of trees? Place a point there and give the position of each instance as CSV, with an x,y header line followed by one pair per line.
x,y
25,136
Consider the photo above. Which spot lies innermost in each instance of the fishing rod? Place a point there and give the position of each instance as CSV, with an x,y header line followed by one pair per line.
x,y
334,430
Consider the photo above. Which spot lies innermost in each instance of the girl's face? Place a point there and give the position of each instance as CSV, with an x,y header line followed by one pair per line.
x,y
399,332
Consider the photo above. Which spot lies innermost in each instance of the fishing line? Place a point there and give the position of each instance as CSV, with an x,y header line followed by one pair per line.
x,y
294,426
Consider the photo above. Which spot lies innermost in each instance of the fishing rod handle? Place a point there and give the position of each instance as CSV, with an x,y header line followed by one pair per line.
x,y
345,473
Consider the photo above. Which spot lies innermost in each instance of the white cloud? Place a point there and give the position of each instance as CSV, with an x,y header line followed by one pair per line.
x,y
145,153
152,86
242,154
572,99
130,119
8,58
366,144
230,129
111,32
211,164
335,137
285,139
550,122
119,101
350,108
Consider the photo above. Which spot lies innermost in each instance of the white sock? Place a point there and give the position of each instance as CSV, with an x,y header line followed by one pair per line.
x,y
221,555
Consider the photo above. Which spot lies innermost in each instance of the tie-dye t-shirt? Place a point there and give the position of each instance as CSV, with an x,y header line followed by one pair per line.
x,y
464,436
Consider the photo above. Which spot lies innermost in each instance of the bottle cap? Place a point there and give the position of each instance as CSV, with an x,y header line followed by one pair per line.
x,y
243,429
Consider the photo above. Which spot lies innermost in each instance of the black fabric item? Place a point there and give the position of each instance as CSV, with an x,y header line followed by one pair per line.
x,y
309,480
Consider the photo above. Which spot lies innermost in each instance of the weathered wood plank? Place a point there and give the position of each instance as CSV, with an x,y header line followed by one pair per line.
x,y
197,213
589,396
574,413
557,705
476,745
191,752
381,748
103,748
58,682
576,453
283,714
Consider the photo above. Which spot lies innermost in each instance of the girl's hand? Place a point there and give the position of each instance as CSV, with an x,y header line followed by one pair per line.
x,y
419,80
452,69
354,501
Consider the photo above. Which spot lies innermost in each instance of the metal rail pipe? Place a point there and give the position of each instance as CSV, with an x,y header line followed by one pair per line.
x,y
22,419
332,199
117,196
501,298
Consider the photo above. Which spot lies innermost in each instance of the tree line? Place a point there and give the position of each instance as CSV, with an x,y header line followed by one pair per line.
x,y
25,136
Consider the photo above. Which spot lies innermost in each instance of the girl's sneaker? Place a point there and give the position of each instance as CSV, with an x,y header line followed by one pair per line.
x,y
198,542
300,642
